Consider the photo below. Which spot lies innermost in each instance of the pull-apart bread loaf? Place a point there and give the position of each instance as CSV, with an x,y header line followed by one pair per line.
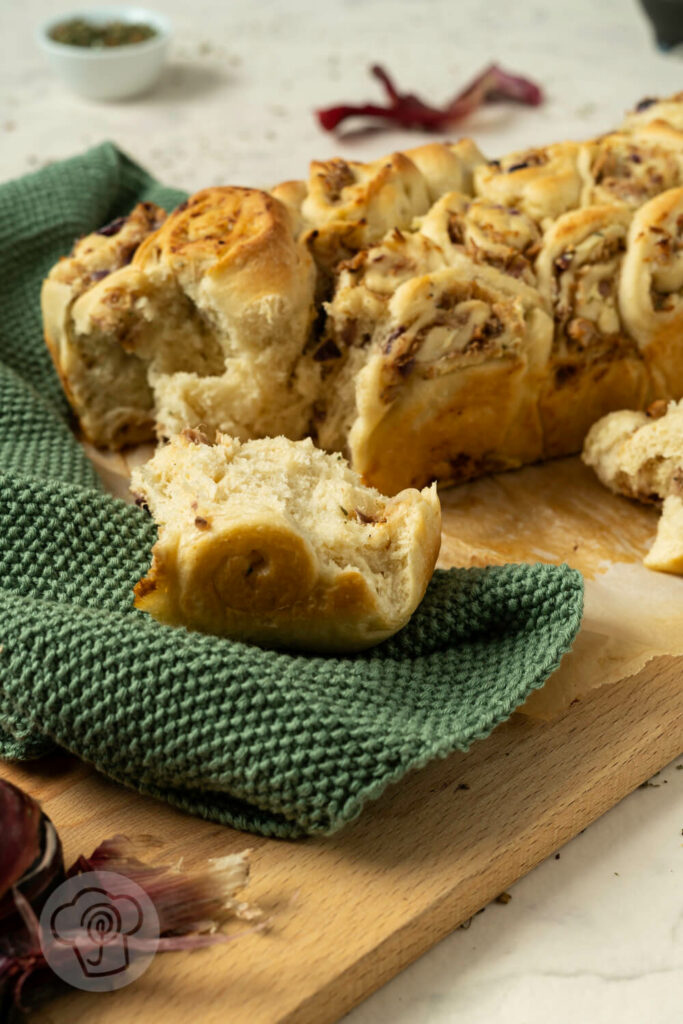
x,y
277,542
640,455
432,315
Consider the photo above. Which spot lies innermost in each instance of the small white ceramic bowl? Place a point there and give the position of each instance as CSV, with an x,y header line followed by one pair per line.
x,y
112,73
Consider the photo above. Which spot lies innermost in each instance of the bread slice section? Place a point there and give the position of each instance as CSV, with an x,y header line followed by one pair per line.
x,y
640,455
278,543
204,323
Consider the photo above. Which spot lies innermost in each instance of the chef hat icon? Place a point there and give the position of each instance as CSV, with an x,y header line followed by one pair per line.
x,y
97,925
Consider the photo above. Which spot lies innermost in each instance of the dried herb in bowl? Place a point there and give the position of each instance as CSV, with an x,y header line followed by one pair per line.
x,y
79,32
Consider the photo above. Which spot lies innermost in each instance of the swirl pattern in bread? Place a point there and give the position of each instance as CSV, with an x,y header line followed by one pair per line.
x,y
432,314
276,542
651,290
211,313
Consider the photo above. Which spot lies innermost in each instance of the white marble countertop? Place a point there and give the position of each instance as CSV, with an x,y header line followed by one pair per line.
x,y
596,936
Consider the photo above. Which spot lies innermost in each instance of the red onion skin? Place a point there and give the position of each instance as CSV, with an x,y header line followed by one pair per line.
x,y
20,824
31,865
409,111
30,855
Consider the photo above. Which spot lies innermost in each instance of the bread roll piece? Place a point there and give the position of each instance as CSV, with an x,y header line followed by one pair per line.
x,y
651,290
447,166
210,317
595,366
640,455
498,236
446,387
458,232
350,205
543,183
105,383
631,167
278,543
651,109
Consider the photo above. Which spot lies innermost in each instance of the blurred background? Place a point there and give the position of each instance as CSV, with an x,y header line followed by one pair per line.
x,y
235,100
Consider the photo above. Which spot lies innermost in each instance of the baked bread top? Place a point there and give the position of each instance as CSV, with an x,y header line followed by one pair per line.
x,y
208,319
279,543
430,314
543,182
650,109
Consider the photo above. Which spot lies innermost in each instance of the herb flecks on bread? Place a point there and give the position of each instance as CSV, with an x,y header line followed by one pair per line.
x,y
276,542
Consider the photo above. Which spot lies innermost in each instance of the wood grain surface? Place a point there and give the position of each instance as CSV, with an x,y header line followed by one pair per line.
x,y
348,912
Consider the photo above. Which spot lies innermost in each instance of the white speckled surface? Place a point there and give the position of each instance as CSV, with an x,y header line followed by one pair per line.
x,y
596,936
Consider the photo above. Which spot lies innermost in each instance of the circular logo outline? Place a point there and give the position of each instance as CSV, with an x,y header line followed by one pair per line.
x,y
99,931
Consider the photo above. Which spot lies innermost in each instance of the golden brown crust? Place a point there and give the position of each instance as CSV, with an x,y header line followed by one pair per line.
x,y
450,389
351,205
478,420
220,230
543,182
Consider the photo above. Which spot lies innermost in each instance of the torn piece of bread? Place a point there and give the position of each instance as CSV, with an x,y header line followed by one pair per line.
x,y
640,455
106,383
205,324
278,543
666,553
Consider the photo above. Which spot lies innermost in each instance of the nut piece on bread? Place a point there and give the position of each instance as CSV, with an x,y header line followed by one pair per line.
x,y
278,543
640,455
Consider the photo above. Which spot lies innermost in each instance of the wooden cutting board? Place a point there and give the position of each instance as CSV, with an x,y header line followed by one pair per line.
x,y
348,912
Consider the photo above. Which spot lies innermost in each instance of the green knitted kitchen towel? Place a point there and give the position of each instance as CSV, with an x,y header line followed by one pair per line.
x,y
275,743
